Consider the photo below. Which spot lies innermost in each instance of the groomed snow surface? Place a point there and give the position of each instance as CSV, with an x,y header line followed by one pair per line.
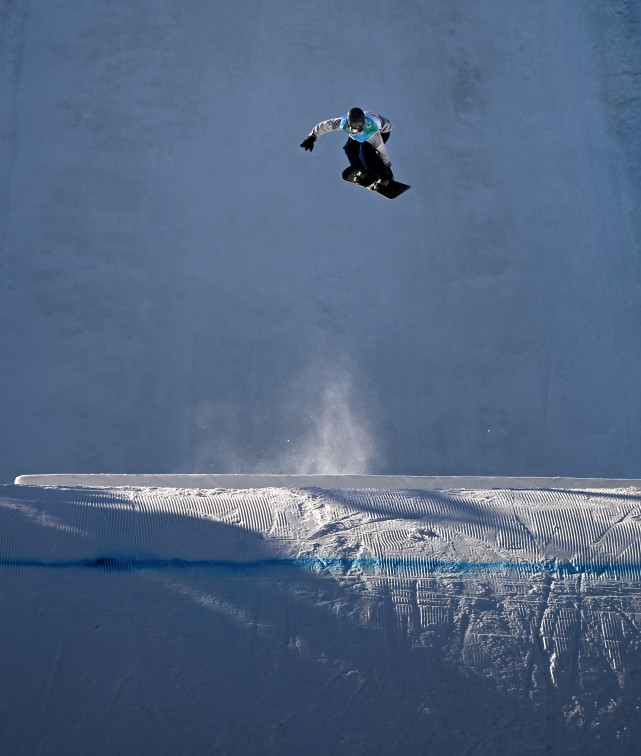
x,y
320,620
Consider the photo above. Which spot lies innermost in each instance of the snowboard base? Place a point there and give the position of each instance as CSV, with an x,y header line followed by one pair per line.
x,y
366,180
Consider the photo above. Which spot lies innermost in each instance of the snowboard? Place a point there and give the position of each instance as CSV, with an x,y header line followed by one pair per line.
x,y
391,191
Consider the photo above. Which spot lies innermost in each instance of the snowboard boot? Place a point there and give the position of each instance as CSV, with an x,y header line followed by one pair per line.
x,y
381,183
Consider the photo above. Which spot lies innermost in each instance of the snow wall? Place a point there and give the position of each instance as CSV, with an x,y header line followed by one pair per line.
x,y
183,289
281,620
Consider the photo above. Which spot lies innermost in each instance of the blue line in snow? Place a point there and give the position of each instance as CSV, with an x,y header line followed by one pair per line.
x,y
411,567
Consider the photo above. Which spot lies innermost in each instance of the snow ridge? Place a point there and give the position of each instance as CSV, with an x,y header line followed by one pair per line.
x,y
463,616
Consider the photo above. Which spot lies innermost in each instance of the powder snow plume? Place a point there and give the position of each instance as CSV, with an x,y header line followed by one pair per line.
x,y
322,425
339,439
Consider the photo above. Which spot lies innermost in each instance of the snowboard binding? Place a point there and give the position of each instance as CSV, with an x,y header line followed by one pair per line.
x,y
358,176
389,189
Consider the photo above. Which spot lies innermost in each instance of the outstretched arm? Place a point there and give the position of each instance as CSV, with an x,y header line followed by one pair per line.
x,y
324,127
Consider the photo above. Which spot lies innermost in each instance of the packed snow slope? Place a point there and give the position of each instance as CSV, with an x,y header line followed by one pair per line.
x,y
318,620
184,289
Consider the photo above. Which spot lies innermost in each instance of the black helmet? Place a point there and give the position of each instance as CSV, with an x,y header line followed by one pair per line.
x,y
356,119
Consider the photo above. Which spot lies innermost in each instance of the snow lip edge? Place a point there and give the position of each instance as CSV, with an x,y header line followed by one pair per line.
x,y
326,481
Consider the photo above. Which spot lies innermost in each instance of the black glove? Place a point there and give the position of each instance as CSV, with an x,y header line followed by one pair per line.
x,y
308,142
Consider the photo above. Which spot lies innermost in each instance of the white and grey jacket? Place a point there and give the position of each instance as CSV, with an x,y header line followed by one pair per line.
x,y
375,125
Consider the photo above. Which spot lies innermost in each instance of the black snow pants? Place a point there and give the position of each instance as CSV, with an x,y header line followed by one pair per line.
x,y
363,156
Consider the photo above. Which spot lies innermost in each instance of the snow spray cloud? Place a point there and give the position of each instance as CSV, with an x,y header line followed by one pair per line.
x,y
335,437
317,425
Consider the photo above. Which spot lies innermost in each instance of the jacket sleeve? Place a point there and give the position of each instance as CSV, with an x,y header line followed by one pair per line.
x,y
386,124
324,127
379,145
377,140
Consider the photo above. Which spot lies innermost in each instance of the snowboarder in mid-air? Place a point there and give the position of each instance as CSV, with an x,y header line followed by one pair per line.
x,y
365,148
